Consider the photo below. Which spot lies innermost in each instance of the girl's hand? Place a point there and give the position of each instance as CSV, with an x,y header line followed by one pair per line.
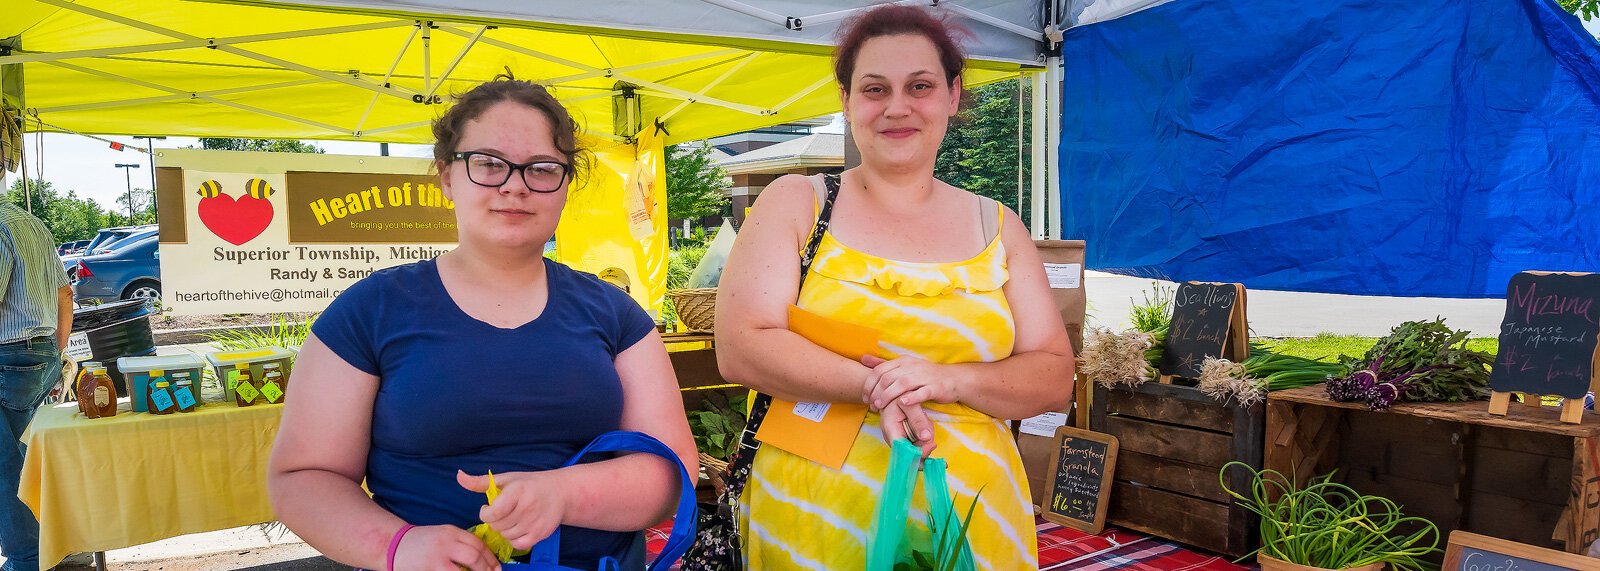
x,y
528,509
442,548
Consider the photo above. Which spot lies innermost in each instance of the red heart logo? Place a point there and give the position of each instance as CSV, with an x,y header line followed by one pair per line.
x,y
237,221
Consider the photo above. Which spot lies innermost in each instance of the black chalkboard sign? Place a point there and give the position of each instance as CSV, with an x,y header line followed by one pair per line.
x,y
1207,321
1473,552
1081,463
1547,340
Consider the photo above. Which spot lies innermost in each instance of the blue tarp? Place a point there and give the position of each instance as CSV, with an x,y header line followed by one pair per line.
x,y
1376,147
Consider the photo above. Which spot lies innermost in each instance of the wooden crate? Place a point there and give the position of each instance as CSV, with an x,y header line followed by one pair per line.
x,y
1525,477
1174,440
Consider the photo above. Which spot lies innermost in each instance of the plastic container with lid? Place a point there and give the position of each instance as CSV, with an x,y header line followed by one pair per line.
x,y
141,372
226,364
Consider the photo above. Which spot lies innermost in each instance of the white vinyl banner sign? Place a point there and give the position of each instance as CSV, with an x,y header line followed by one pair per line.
x,y
276,232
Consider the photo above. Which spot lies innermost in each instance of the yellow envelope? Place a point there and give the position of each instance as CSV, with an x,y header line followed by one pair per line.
x,y
819,431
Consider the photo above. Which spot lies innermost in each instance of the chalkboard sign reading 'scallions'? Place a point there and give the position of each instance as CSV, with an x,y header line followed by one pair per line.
x,y
1208,320
1082,464
1547,341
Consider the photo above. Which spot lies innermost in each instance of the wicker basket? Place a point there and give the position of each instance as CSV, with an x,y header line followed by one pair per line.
x,y
697,308
716,471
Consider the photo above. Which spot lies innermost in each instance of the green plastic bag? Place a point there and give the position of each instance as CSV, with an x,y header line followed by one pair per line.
x,y
887,546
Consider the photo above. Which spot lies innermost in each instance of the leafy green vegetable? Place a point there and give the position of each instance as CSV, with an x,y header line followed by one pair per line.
x,y
1419,361
717,425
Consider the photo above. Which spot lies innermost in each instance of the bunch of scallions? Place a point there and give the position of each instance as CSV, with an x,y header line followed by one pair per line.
x,y
1329,525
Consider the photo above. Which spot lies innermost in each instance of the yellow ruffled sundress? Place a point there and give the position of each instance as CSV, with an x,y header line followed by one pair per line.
x,y
797,514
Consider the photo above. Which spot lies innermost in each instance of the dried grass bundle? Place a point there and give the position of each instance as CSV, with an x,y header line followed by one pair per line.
x,y
1113,359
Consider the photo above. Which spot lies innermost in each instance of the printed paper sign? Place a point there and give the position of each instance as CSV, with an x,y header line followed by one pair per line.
x,y
1064,276
161,400
1045,424
78,347
812,411
272,392
185,397
247,392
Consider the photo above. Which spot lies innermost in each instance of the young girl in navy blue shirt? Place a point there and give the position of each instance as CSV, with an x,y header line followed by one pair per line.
x,y
422,378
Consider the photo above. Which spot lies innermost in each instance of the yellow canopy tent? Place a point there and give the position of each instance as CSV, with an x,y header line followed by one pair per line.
x,y
381,70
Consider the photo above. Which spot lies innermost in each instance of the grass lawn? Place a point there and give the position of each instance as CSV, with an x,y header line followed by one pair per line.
x,y
1329,346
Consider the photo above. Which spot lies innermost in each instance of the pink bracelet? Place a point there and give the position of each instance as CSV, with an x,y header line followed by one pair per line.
x,y
394,544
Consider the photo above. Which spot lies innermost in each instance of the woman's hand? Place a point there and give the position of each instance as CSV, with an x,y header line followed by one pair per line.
x,y
910,422
529,508
442,548
908,381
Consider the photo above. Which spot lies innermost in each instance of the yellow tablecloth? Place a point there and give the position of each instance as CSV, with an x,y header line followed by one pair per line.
x,y
134,478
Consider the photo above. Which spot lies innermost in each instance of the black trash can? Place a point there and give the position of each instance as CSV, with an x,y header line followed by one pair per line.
x,y
120,329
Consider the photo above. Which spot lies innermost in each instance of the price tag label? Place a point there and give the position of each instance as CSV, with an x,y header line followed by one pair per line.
x,y
247,392
185,397
272,392
233,379
812,411
161,400
1064,276
78,347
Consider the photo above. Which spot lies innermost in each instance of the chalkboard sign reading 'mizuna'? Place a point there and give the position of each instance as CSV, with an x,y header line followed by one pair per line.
x,y
1082,463
1207,321
1547,341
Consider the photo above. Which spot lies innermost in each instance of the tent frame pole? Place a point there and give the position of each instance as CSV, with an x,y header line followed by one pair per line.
x,y
176,91
451,68
390,90
176,97
1041,199
1053,142
416,29
200,43
665,90
712,84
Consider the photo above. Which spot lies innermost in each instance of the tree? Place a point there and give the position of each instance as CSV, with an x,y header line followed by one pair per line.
x,y
266,145
695,183
1585,9
144,206
67,217
980,150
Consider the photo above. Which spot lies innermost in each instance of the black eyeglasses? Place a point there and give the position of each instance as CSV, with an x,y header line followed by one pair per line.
x,y
484,169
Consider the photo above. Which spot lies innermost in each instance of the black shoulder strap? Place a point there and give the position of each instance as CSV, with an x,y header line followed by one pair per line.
x,y
821,227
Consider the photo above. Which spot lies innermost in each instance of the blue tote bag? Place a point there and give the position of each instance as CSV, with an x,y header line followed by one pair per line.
x,y
546,555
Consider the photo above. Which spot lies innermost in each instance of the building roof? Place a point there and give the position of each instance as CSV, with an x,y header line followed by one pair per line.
x,y
817,150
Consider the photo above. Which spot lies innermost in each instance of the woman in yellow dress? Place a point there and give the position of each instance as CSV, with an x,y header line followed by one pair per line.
x,y
951,282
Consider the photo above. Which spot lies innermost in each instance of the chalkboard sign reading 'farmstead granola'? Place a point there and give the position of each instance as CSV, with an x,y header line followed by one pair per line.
x,y
1082,464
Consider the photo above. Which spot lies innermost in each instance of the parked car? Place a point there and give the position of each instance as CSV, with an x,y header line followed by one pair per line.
x,y
71,247
130,270
106,241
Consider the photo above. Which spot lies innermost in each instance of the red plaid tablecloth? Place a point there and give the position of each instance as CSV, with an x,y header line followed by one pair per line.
x,y
1063,548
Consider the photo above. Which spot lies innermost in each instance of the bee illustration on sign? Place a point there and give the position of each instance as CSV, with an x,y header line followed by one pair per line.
x,y
236,220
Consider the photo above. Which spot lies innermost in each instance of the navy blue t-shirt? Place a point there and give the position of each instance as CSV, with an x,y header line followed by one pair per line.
x,y
457,393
